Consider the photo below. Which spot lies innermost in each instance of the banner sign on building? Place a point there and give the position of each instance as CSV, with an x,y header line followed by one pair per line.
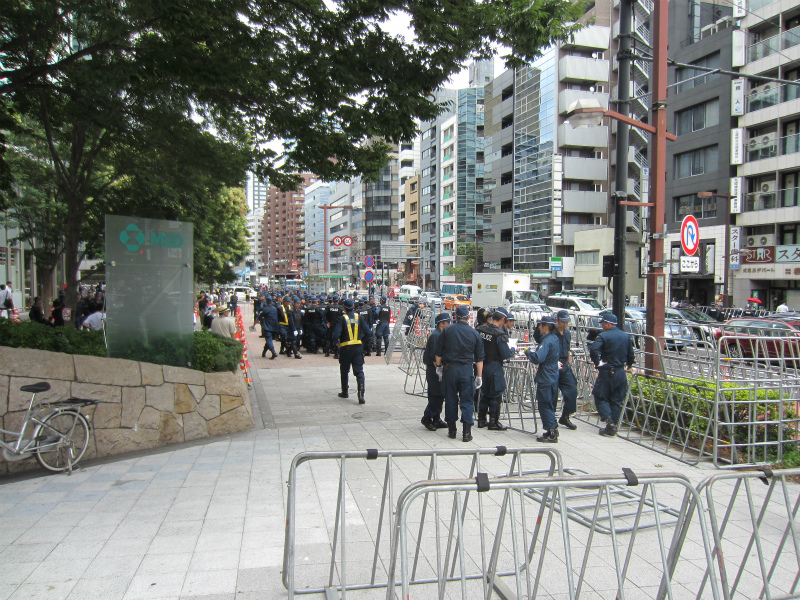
x,y
757,256
558,177
739,46
737,146
737,97
735,244
556,263
690,264
736,195
739,9
787,254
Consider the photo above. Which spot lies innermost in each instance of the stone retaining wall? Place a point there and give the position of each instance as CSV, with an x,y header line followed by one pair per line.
x,y
143,405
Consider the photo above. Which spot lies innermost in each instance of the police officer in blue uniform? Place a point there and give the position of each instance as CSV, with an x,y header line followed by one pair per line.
x,y
432,419
610,352
333,314
496,350
365,312
566,378
269,326
349,334
546,356
383,317
457,348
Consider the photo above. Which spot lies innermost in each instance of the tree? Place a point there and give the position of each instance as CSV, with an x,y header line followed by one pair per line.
x,y
220,237
471,261
326,77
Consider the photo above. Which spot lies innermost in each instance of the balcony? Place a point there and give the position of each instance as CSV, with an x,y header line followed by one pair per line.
x,y
578,68
785,198
567,97
594,37
586,137
569,230
590,169
585,202
773,95
640,28
776,43
769,146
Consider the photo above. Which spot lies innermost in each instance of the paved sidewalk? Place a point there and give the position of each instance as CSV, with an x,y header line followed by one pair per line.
x,y
206,521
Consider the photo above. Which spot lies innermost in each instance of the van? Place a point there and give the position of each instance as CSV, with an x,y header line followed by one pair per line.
x,y
409,291
576,305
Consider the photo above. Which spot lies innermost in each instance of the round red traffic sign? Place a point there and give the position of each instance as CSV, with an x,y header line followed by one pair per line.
x,y
369,276
337,241
690,235
369,261
347,240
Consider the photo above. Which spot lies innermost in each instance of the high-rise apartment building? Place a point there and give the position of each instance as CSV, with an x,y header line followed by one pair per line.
x,y
316,195
283,230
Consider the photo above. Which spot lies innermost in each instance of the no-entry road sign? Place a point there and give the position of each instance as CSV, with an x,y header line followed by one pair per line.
x,y
690,235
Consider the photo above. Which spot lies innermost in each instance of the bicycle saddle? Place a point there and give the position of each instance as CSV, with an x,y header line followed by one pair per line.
x,y
35,388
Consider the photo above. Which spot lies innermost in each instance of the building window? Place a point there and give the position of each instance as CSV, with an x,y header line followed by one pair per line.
x,y
701,208
688,78
696,162
429,133
429,152
587,259
413,208
412,226
426,209
697,117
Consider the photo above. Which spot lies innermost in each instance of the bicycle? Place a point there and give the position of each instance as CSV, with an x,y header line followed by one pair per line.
x,y
60,433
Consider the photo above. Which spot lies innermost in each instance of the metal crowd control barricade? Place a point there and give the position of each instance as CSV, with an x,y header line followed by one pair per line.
x,y
520,546
346,535
519,399
413,349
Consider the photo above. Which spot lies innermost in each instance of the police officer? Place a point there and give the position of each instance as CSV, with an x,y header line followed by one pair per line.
x,y
296,332
409,319
383,316
312,326
269,326
566,378
431,418
496,350
546,356
333,314
283,323
348,335
612,349
457,348
482,316
364,312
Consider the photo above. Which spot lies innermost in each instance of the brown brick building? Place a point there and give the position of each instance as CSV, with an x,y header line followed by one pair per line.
x,y
283,230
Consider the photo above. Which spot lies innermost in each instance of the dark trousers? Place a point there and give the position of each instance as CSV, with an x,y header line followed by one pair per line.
x,y
459,391
435,393
609,393
546,397
268,345
569,390
382,333
494,384
351,356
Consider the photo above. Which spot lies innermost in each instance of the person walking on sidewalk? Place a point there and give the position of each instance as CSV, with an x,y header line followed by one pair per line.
x,y
496,350
383,314
566,378
457,348
348,335
269,326
432,417
546,356
610,352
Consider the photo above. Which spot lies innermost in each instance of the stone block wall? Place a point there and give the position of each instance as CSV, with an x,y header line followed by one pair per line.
x,y
143,405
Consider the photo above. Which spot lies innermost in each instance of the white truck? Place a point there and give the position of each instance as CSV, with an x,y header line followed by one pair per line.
x,y
502,289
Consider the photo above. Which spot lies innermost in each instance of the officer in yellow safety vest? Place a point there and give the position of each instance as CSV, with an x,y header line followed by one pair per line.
x,y
347,335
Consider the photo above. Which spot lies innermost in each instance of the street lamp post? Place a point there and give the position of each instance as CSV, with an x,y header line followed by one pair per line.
x,y
725,294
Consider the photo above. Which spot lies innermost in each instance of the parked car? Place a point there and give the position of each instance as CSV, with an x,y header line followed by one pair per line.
x,y
579,305
451,301
393,292
432,298
409,291
241,293
703,327
779,338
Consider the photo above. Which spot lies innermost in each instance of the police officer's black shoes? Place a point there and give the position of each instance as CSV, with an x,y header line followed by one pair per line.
x,y
451,430
466,435
361,395
550,436
610,430
495,424
428,423
343,394
264,352
438,423
481,419
564,420
274,355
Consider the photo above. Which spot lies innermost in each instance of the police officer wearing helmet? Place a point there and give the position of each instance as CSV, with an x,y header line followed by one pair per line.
x,y
457,348
349,334
496,350
546,356
610,352
383,315
333,314
432,419
365,312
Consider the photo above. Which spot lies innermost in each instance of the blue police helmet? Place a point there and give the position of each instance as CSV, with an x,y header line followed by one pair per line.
x,y
548,320
384,298
610,318
563,315
443,318
287,299
500,313
462,311
335,298
268,300
348,303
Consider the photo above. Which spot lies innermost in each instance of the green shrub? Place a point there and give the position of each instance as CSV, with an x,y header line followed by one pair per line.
x,y
209,352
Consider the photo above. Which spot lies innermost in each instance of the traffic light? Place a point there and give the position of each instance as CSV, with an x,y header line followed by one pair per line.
x,y
608,265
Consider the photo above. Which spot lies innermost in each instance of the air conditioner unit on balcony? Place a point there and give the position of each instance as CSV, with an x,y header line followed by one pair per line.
x,y
598,55
768,140
763,89
761,240
767,187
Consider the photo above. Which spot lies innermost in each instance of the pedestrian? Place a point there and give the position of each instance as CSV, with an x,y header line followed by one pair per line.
x,y
496,350
457,349
224,325
6,301
567,383
95,320
546,356
269,327
36,313
348,335
383,317
610,352
782,307
432,417
57,313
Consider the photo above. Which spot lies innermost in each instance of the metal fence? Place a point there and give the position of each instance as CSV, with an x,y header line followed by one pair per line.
x,y
339,515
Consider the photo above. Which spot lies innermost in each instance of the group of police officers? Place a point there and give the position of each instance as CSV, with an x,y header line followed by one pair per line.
x,y
459,360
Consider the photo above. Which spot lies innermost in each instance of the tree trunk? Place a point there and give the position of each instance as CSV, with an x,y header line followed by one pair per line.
x,y
44,279
74,226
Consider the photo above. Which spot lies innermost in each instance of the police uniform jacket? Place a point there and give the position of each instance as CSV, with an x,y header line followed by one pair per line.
x,y
269,318
364,313
460,344
334,313
614,348
429,355
496,350
350,329
283,317
546,356
312,317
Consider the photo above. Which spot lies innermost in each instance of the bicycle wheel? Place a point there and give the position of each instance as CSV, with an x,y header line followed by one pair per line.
x,y
75,431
